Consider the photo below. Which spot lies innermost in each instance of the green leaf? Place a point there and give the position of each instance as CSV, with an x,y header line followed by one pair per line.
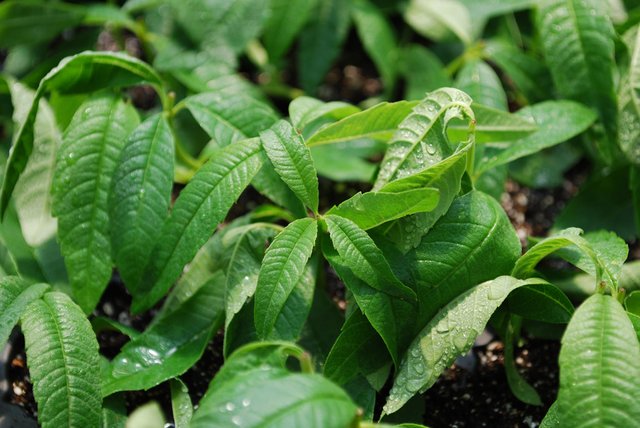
x,y
378,39
578,42
518,385
114,412
372,209
200,207
543,302
253,389
228,116
365,259
423,71
472,243
33,197
173,342
292,161
320,42
629,100
449,334
483,85
140,196
31,23
557,121
306,112
15,295
344,162
597,369
493,126
632,302
86,162
420,141
482,10
285,22
180,403
282,269
435,19
81,73
63,360
378,122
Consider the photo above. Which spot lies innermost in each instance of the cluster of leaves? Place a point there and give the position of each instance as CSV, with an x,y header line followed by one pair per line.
x,y
428,256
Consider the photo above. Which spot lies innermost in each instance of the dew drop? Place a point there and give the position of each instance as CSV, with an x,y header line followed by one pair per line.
x,y
229,406
236,420
246,402
431,149
496,291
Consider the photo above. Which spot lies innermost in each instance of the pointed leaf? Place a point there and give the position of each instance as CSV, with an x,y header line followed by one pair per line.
x,y
282,269
629,100
287,18
449,334
140,196
544,302
493,126
420,140
482,84
365,259
63,359
87,159
200,207
15,295
598,374
81,73
292,161
436,18
578,42
423,71
180,403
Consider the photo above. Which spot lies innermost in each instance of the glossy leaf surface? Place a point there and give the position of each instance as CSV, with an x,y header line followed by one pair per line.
x,y
15,295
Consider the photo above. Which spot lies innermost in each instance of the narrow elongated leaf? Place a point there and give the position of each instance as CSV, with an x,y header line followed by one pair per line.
x,y
449,334
518,385
599,340
81,73
180,403
482,84
372,209
629,100
493,126
365,259
305,112
420,140
423,71
169,346
557,121
577,39
198,210
378,39
482,10
282,268
228,116
321,40
15,295
472,243
292,161
287,19
87,159
140,196
436,18
378,122
63,356
253,389
33,189
544,302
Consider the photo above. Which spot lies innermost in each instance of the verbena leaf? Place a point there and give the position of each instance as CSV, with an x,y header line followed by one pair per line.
x,y
63,359
518,385
86,162
551,419
292,161
577,39
173,342
599,339
283,267
482,10
378,122
472,243
420,140
197,211
372,209
435,18
140,196
348,161
423,71
15,295
81,73
543,302
253,389
114,412
30,23
286,20
557,121
629,100
306,112
320,42
228,116
365,259
482,84
377,38
449,334
33,196
493,126
180,403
